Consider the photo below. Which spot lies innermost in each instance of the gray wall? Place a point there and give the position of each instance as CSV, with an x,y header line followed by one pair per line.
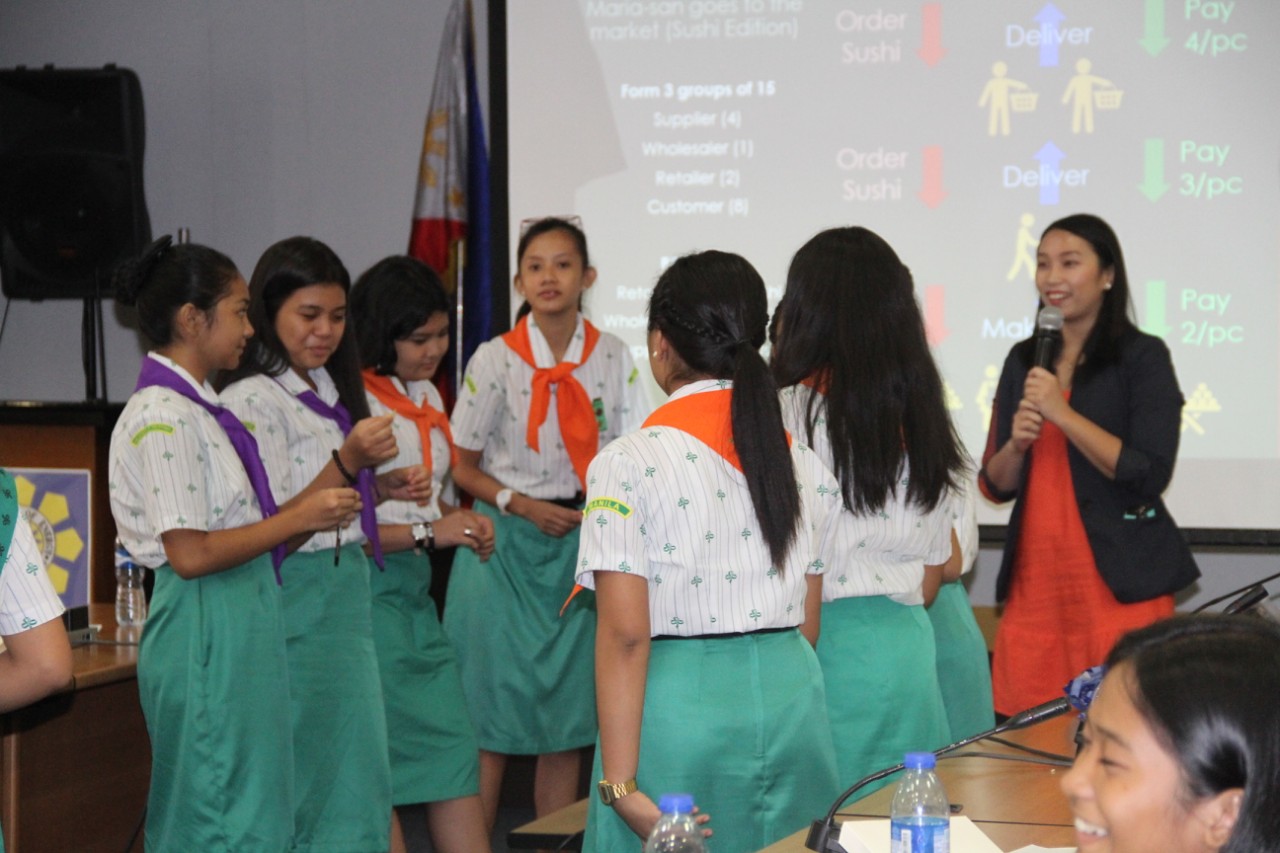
x,y
268,119
264,120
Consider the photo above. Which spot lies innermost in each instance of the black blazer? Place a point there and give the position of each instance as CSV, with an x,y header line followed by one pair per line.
x,y
1137,547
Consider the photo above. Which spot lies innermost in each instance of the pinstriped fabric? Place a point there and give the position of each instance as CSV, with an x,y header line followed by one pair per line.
x,y
665,506
963,504
493,409
171,467
882,553
295,443
27,598
409,452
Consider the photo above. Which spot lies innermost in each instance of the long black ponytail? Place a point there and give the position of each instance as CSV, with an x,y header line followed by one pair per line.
x,y
712,308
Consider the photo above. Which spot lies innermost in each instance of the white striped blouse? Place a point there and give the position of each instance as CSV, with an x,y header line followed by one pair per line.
x,y
27,598
171,466
881,553
294,442
663,505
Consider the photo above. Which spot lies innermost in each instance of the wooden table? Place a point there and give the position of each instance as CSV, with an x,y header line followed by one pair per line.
x,y
560,830
1015,803
75,767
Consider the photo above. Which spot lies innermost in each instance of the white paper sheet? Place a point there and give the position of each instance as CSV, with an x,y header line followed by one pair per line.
x,y
872,836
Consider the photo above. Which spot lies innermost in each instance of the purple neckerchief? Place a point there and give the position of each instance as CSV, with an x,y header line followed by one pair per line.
x,y
242,441
364,477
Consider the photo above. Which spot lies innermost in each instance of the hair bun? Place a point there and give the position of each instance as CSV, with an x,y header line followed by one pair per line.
x,y
126,282
131,274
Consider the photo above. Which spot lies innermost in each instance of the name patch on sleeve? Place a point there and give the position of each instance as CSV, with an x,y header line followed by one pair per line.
x,y
611,504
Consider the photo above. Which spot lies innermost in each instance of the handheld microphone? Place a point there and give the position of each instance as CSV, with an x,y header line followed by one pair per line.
x,y
824,833
1048,337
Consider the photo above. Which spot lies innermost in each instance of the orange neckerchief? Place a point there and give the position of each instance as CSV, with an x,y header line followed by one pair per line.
x,y
424,417
707,417
820,381
578,427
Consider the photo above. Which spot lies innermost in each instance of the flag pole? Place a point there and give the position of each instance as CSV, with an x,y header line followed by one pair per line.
x,y
459,268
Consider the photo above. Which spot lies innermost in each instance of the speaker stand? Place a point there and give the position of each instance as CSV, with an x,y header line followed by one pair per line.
x,y
93,351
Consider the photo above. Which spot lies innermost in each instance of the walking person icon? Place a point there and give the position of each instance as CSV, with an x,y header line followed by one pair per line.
x,y
1024,253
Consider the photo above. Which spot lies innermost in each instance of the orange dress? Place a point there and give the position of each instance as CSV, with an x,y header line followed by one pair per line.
x,y
1061,617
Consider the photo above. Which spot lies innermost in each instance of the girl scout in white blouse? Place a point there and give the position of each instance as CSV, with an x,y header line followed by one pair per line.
x,y
705,540
402,326
212,677
865,391
537,404
299,389
38,656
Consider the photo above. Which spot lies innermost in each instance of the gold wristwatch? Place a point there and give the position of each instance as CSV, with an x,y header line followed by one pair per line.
x,y
611,792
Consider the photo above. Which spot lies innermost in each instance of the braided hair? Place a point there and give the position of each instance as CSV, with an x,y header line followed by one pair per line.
x,y
712,308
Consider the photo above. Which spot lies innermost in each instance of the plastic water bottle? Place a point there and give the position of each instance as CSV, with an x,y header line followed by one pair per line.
x,y
676,831
920,818
131,598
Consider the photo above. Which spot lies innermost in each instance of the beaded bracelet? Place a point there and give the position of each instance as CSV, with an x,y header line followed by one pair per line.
x,y
342,469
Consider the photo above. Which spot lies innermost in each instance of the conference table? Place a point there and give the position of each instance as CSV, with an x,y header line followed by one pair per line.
x,y
1016,803
75,766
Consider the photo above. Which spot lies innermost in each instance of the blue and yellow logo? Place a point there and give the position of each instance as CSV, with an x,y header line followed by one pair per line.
x,y
56,506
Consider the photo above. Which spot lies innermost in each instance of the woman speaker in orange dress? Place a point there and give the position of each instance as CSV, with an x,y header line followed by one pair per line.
x,y
1085,450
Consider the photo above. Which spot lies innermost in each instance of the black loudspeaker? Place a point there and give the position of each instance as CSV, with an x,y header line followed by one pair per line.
x,y
71,198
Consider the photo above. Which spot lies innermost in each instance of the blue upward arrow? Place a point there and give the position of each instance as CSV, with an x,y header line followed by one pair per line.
x,y
1049,157
1048,18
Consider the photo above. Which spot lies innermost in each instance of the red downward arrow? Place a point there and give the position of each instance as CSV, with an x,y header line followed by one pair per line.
x,y
932,193
935,314
931,49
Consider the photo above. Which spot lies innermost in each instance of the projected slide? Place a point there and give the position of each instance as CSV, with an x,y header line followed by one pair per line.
x,y
958,131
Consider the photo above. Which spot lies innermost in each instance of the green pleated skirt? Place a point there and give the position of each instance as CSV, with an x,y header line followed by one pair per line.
x,y
342,784
741,724
432,745
214,688
883,698
527,672
964,670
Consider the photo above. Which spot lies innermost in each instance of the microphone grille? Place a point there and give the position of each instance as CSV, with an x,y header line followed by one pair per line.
x,y
1050,319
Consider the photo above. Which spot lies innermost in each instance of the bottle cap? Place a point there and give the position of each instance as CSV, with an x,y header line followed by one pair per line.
x,y
920,760
679,803
124,560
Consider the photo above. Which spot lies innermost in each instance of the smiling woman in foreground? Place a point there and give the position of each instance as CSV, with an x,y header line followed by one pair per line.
x,y
1182,743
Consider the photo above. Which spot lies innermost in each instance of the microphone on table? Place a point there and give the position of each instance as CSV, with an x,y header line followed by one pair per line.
x,y
1249,597
1048,337
824,833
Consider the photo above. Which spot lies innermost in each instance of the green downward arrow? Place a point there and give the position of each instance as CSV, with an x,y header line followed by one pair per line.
x,y
1155,314
1153,185
1153,40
